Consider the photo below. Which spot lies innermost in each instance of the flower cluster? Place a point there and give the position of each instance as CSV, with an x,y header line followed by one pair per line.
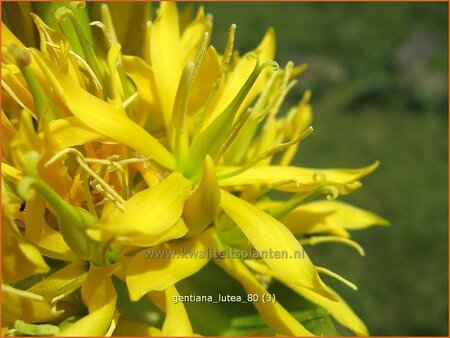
x,y
131,136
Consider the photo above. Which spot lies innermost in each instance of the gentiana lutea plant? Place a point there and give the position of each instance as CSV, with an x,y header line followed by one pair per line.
x,y
128,141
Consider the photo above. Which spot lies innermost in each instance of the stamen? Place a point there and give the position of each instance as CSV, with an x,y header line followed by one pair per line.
x,y
130,100
201,52
15,98
147,44
234,132
182,97
261,108
281,210
268,153
270,63
61,15
223,69
337,276
134,160
91,73
262,101
114,196
228,53
179,113
272,186
219,129
327,239
333,192
320,176
105,31
108,24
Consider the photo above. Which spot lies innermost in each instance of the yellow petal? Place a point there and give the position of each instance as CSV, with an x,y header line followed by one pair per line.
x,y
113,58
17,252
323,216
38,232
297,120
50,38
53,245
192,36
11,173
279,320
177,321
8,38
148,108
238,76
16,88
313,240
104,118
202,206
346,180
178,230
99,295
162,266
151,211
63,282
70,131
338,309
34,219
269,236
207,75
166,55
27,306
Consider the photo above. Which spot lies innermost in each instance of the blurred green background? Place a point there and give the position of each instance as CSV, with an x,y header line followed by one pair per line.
x,y
378,72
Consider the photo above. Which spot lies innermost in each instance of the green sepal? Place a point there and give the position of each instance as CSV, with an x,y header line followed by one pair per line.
x,y
73,222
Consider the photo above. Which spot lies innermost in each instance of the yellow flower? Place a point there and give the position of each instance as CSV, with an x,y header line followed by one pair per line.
x,y
125,163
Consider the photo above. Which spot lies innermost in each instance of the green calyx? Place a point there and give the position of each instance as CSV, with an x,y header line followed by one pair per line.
x,y
73,222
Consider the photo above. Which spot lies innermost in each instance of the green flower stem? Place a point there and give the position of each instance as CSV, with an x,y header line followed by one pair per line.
x,y
44,107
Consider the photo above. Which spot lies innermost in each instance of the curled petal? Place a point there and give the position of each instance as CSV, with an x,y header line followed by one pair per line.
x,y
269,235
